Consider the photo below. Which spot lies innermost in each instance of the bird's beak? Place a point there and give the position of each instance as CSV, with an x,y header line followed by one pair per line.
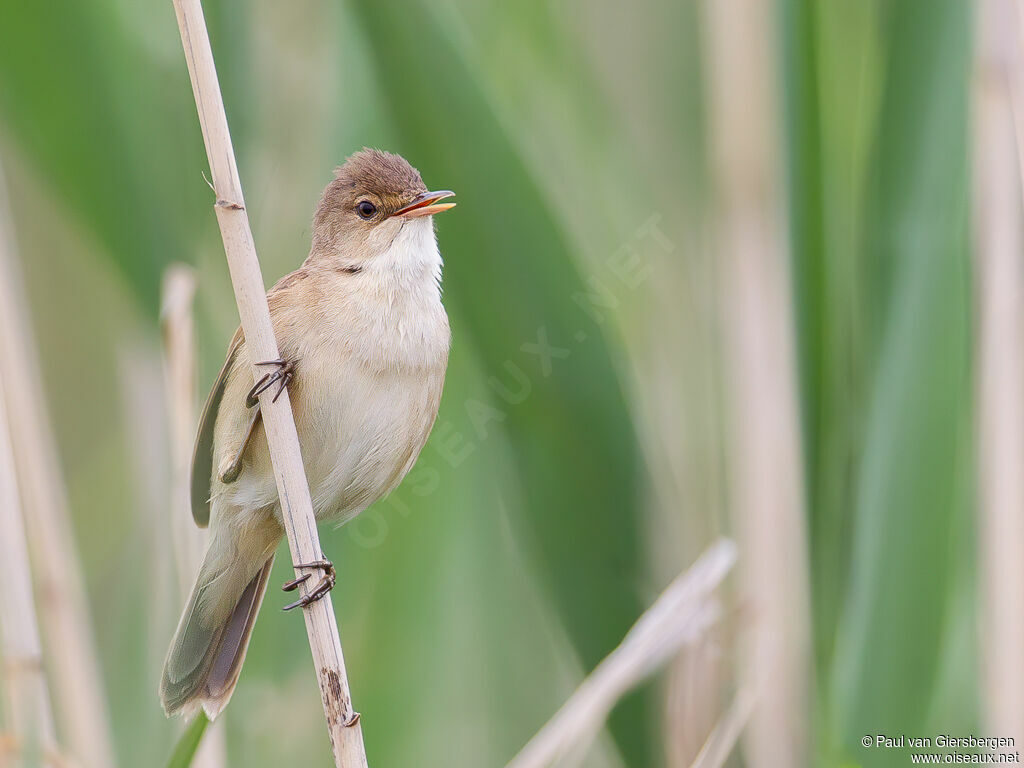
x,y
426,205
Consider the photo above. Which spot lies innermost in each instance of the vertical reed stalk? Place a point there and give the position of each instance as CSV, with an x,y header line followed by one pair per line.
x,y
692,699
28,700
179,348
250,294
63,608
999,269
189,541
765,457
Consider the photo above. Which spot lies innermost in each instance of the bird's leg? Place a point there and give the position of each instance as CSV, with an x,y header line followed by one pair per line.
x,y
284,374
325,585
234,469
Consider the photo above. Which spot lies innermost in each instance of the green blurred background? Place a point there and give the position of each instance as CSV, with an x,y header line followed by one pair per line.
x,y
556,497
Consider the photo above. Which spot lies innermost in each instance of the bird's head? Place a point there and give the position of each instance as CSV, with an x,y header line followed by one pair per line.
x,y
376,200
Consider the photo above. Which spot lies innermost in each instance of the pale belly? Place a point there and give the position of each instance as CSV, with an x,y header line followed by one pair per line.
x,y
360,433
369,369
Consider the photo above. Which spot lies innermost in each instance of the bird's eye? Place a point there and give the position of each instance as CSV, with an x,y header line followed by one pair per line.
x,y
366,209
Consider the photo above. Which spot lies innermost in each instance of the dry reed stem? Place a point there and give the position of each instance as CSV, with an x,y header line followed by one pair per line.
x,y
765,461
691,698
999,245
179,351
20,649
296,507
726,733
681,615
11,750
81,708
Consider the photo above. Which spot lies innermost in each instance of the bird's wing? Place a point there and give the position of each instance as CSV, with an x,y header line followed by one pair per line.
x,y
202,454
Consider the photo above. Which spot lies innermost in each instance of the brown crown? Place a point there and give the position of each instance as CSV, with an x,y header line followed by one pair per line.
x,y
383,173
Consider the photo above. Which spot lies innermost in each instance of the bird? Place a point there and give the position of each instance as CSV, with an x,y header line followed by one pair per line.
x,y
364,339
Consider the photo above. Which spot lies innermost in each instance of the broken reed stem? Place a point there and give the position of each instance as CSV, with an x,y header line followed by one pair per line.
x,y
21,652
177,325
250,294
759,352
998,243
81,707
680,615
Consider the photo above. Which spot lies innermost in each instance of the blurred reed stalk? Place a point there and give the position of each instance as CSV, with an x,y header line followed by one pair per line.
x,y
28,699
250,294
189,540
680,616
179,351
766,483
82,715
693,692
999,270
722,739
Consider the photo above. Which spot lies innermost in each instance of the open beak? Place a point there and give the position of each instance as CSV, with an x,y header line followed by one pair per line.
x,y
426,205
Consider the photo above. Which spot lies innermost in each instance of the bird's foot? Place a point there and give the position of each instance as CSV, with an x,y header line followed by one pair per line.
x,y
284,374
325,585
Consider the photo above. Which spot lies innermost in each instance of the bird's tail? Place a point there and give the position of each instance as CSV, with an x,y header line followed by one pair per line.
x,y
208,649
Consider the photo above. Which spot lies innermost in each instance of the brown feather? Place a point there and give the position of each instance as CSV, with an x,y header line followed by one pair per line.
x,y
202,453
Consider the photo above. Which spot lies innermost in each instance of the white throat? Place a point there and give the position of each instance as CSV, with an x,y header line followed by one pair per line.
x,y
399,301
411,259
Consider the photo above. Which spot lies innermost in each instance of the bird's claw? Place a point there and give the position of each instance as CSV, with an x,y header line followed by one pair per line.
x,y
325,585
284,374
